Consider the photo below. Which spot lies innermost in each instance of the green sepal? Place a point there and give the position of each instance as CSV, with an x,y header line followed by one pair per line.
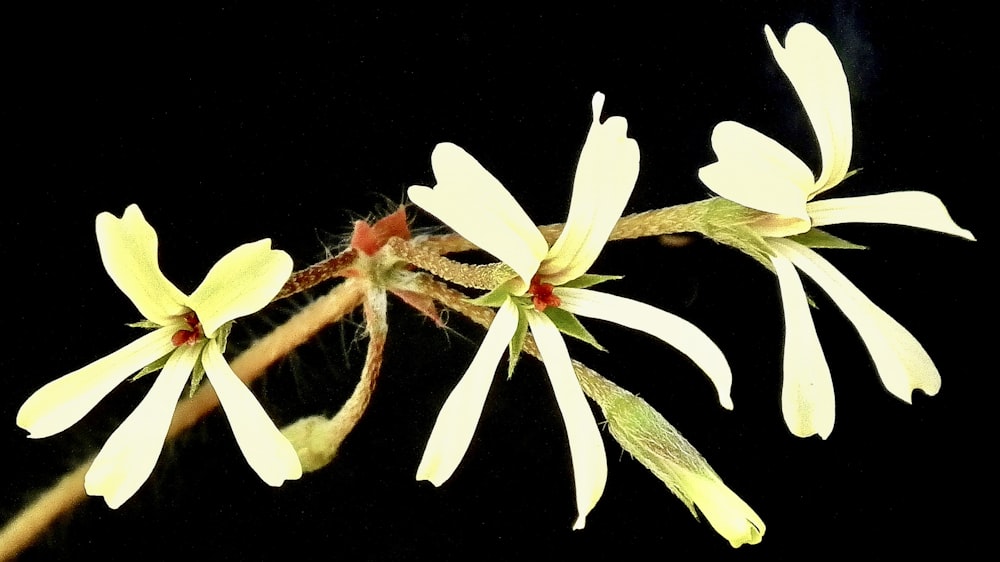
x,y
817,238
726,222
569,325
589,280
151,368
197,374
148,324
496,297
222,335
517,342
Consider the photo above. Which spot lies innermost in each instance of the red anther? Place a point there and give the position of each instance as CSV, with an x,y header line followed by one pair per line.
x,y
182,337
188,337
542,295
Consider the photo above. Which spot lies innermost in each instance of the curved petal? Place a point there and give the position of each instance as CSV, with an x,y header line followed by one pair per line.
x,y
128,457
899,358
605,177
129,252
241,283
908,208
590,465
62,402
265,448
459,416
474,204
673,330
807,399
757,172
815,71
728,514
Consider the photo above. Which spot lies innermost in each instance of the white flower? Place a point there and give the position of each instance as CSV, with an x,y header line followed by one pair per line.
x,y
548,285
757,172
188,330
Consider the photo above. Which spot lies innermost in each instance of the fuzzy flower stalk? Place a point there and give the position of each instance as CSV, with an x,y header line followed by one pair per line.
x,y
187,340
773,192
541,289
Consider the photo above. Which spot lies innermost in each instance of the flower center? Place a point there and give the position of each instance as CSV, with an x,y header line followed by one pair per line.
x,y
188,337
541,294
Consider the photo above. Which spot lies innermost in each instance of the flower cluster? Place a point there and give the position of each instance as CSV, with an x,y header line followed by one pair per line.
x,y
757,172
188,336
547,287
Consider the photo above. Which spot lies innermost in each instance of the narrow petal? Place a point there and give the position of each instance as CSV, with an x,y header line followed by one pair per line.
x,y
605,177
899,358
474,204
241,283
590,465
62,402
807,400
130,454
459,416
757,172
673,330
728,514
265,448
129,252
908,208
815,71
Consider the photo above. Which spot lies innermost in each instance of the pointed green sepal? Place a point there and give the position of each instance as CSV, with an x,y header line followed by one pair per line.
x,y
817,238
589,280
222,335
494,298
197,374
148,324
151,368
517,342
569,325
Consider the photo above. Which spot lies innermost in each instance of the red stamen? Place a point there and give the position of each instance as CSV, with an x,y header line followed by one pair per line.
x,y
542,295
188,337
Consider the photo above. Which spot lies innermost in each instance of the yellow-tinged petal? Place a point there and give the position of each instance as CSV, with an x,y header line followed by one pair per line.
x,y
129,252
728,514
474,204
605,177
241,283
673,330
899,358
265,448
456,423
62,402
807,399
816,73
590,465
908,208
128,457
757,172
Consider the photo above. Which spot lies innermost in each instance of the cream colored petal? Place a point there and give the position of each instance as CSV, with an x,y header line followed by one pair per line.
x,y
815,71
128,457
62,402
129,251
605,177
459,416
807,399
474,204
899,358
265,448
241,283
590,465
728,514
908,208
673,330
757,172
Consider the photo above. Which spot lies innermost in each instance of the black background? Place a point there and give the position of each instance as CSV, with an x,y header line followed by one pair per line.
x,y
230,123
